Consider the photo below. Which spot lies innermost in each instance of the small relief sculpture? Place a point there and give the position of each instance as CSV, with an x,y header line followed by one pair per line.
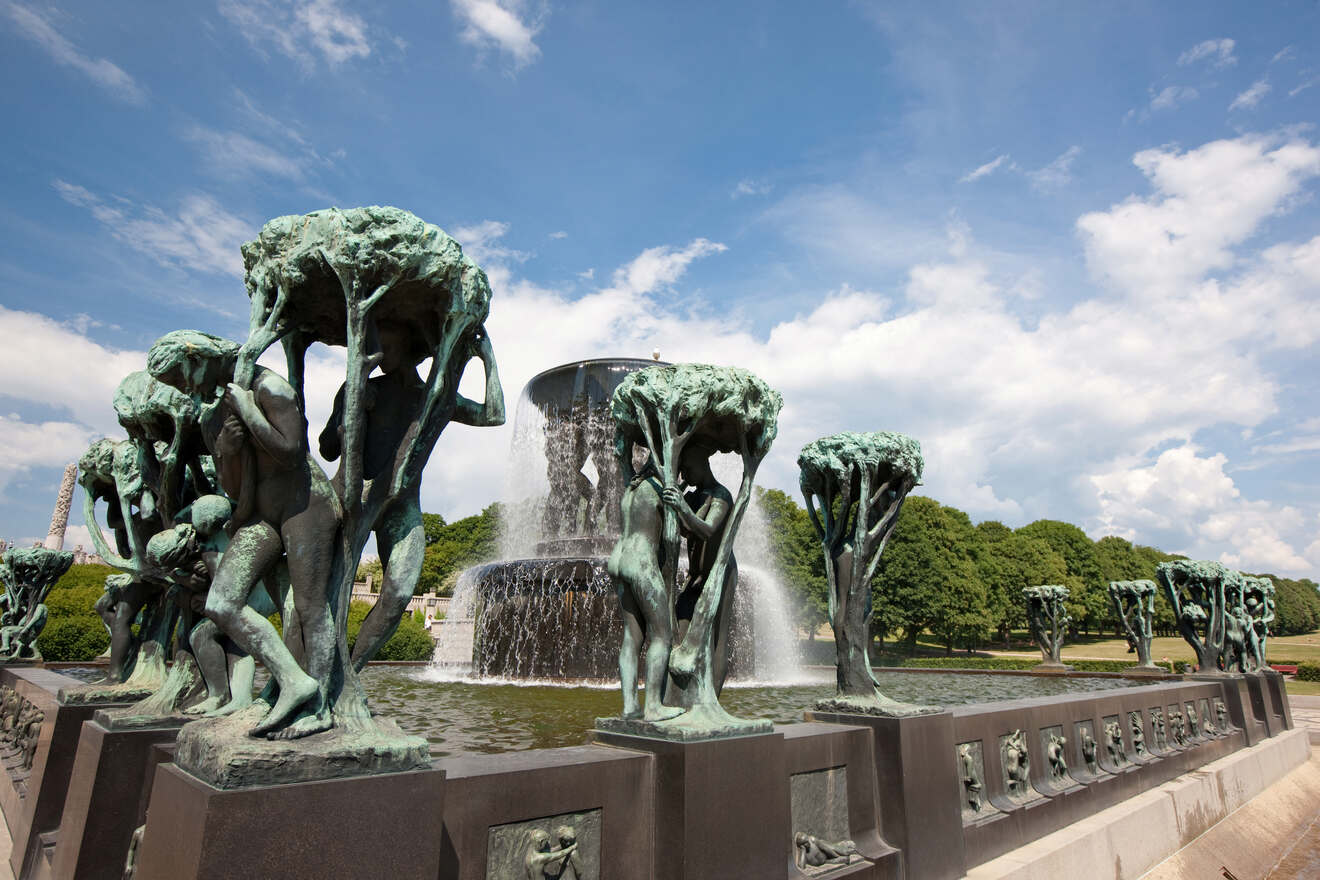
x,y
1157,726
971,780
1193,724
546,862
1221,716
1114,743
1054,752
1179,728
813,852
1138,733
32,737
1016,763
1089,749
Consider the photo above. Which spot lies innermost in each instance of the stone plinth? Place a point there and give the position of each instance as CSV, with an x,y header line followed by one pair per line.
x,y
720,807
358,828
101,810
918,788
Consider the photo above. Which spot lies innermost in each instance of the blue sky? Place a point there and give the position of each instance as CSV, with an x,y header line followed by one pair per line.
x,y
1075,252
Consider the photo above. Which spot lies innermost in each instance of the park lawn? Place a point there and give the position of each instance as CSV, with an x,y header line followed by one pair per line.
x,y
1303,688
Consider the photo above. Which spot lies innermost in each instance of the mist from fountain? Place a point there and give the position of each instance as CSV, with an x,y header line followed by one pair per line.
x,y
547,612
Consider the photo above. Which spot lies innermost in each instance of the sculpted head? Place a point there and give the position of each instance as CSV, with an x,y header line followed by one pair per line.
x,y
694,463
540,840
401,346
196,363
210,513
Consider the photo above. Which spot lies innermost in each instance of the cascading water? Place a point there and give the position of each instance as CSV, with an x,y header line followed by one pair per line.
x,y
549,610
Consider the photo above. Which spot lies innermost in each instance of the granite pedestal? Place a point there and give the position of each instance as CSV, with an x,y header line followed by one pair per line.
x,y
101,810
352,828
720,807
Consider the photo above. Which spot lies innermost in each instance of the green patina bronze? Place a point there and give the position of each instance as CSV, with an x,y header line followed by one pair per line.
x,y
1048,620
394,291
28,575
1223,614
854,486
679,416
1135,603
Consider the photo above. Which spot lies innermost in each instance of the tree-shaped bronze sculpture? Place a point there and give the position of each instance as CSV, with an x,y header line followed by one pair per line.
x,y
854,486
1134,602
1049,622
681,415
1197,591
29,574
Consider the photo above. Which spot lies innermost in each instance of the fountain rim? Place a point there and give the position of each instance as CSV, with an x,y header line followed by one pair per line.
x,y
603,360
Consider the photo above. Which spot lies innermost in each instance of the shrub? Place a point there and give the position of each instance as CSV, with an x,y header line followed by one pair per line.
x,y
73,639
1001,663
1308,671
410,641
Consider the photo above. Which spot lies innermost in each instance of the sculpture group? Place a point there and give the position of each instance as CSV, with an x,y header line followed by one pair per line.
x,y
1223,614
220,516
27,575
1048,620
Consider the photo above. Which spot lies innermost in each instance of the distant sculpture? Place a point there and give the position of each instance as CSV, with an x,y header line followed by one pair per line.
x,y
813,852
1048,620
543,862
30,573
1138,730
1055,754
682,414
1135,603
854,486
1114,743
1207,614
1259,600
971,779
59,519
1017,763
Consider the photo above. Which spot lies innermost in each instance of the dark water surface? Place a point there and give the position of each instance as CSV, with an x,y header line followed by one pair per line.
x,y
464,716
457,715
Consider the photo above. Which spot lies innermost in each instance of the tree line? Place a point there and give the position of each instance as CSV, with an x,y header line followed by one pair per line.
x,y
962,582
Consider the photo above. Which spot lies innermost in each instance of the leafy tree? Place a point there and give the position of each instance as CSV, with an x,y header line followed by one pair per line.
x,y
1089,600
458,545
797,554
1006,566
927,577
433,524
1297,606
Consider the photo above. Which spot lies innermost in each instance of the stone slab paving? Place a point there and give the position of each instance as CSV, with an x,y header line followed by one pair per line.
x,y
1306,714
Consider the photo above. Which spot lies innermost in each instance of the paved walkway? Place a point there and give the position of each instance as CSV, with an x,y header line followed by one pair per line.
x,y
1306,713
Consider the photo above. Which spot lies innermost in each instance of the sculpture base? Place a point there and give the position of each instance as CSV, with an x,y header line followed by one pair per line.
x,y
106,800
98,693
695,725
131,718
365,827
221,753
1051,667
880,706
1147,670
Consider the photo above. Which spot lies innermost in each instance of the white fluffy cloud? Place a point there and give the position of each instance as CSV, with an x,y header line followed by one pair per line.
x,y
508,26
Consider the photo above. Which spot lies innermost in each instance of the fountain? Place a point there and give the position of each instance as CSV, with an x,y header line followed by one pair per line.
x,y
548,609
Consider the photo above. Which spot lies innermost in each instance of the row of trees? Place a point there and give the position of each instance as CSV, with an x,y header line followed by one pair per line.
x,y
450,548
963,582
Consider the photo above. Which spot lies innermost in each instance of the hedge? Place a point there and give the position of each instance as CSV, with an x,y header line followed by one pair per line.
x,y
73,639
1308,671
